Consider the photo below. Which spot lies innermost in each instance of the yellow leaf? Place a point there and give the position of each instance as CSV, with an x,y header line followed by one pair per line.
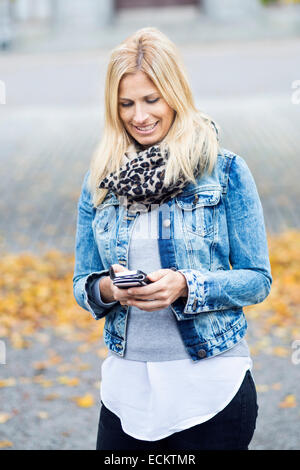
x,y
69,381
4,417
288,402
10,382
262,388
83,367
41,380
4,444
280,351
84,402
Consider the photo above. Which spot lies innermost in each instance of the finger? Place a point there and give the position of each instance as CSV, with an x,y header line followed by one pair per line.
x,y
118,268
156,275
154,289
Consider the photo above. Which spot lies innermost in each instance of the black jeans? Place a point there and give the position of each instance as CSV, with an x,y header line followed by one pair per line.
x,y
232,428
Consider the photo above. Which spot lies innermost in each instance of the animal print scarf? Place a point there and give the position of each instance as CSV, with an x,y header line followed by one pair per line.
x,y
141,180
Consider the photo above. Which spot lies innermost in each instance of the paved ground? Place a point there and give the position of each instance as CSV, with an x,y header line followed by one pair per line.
x,y
48,129
44,415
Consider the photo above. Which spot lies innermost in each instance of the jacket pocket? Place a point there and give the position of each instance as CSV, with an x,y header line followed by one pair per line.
x,y
104,229
198,211
105,218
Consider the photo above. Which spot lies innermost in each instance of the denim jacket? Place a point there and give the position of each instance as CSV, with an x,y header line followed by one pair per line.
x,y
213,232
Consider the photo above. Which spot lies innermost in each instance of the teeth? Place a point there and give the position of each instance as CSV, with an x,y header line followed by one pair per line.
x,y
148,128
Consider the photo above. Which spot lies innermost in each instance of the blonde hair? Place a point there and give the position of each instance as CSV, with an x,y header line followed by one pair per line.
x,y
191,141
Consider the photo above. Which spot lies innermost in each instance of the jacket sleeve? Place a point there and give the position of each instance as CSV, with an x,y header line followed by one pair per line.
x,y
249,280
88,264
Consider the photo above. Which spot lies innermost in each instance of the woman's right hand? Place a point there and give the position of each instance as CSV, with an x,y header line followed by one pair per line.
x,y
109,292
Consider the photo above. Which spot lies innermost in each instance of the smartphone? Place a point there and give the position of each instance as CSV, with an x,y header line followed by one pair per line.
x,y
124,280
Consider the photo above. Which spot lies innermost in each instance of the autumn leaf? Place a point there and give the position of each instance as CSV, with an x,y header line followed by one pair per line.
x,y
262,388
288,402
4,444
84,402
4,417
70,382
281,351
10,382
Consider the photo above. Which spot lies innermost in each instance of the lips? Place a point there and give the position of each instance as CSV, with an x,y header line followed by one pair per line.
x,y
146,129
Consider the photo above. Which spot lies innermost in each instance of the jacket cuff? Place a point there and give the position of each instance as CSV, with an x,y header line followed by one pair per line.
x,y
195,300
97,310
95,294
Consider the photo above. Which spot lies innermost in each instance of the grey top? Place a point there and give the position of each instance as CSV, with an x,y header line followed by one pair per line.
x,y
153,336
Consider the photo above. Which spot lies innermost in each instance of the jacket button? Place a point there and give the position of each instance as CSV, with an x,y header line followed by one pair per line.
x,y
167,223
201,353
195,304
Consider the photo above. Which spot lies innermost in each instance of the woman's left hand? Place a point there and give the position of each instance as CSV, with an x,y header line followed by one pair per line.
x,y
167,285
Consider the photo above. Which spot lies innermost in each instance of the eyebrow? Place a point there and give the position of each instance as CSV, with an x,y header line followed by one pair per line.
x,y
146,96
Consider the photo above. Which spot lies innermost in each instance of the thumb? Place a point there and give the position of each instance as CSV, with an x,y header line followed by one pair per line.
x,y
118,268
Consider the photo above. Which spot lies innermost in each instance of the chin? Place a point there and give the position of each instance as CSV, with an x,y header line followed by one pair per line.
x,y
147,141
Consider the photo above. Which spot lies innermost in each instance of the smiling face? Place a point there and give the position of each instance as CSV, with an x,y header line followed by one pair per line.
x,y
143,111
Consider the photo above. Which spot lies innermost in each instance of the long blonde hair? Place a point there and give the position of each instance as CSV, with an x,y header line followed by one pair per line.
x,y
191,141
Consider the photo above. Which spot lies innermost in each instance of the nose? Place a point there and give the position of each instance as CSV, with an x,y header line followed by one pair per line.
x,y
140,115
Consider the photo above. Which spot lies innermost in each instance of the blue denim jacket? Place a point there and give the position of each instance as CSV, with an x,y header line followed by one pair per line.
x,y
213,233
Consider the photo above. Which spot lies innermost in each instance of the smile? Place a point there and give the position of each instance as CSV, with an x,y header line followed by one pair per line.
x,y
146,129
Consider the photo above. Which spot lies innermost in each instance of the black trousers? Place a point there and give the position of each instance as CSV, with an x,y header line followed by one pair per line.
x,y
231,429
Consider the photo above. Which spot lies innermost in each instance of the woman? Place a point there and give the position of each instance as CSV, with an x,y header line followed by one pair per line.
x,y
163,197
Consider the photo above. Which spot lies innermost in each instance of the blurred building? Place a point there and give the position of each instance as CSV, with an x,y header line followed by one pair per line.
x,y
84,19
101,12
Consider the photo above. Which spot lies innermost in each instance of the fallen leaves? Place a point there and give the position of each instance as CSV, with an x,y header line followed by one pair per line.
x,y
36,292
69,381
280,312
4,444
9,382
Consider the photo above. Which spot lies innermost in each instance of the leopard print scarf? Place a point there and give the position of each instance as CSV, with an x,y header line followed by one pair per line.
x,y
141,180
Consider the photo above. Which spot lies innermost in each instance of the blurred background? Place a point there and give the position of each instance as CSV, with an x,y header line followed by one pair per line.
x,y
242,58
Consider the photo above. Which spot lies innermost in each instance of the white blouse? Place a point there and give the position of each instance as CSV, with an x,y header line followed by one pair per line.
x,y
156,399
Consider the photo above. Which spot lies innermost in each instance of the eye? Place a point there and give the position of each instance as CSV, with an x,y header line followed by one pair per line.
x,y
152,101
125,105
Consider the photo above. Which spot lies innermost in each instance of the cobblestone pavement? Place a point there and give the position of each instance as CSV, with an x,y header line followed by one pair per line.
x,y
44,415
48,130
